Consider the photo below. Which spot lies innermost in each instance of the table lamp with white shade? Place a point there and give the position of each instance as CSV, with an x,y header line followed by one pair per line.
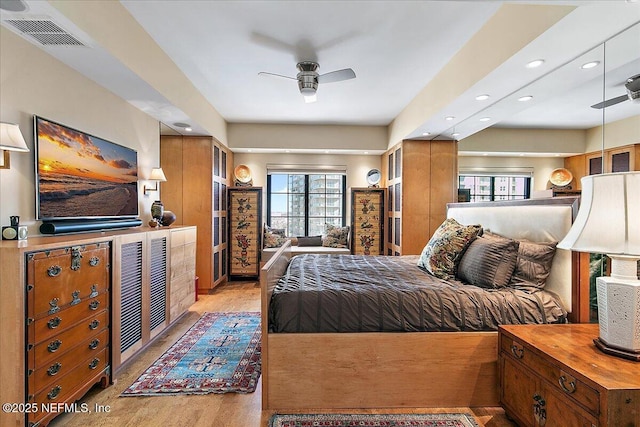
x,y
608,222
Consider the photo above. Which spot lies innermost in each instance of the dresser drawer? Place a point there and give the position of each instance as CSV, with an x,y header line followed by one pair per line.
x,y
65,363
556,377
45,352
87,371
63,277
53,324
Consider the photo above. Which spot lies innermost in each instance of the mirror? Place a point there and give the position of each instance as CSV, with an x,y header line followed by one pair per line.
x,y
373,177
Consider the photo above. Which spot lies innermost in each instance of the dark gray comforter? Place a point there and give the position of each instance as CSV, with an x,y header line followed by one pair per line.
x,y
353,293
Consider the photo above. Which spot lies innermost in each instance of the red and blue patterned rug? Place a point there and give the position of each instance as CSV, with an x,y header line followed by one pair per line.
x,y
374,420
220,353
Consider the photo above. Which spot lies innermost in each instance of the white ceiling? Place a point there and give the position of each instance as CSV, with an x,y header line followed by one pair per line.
x,y
394,47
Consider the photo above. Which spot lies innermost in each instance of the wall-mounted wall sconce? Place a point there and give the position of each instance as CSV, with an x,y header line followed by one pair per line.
x,y
157,175
11,139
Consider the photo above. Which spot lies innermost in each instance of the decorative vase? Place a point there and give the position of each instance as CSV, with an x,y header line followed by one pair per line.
x,y
157,210
168,218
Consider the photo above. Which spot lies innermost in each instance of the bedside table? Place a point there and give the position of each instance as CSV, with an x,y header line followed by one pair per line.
x,y
553,375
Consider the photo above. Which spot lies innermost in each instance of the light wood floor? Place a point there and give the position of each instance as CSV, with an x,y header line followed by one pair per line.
x,y
218,410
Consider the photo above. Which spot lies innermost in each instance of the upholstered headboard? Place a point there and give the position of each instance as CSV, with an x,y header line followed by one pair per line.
x,y
536,220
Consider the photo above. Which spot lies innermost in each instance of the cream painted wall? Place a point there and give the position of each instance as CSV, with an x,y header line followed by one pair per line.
x,y
325,137
508,140
33,82
357,167
616,134
541,166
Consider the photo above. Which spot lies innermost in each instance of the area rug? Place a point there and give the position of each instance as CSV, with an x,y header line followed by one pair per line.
x,y
374,420
220,353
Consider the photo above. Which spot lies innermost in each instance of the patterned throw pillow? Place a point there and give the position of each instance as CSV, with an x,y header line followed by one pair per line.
x,y
441,255
336,237
274,237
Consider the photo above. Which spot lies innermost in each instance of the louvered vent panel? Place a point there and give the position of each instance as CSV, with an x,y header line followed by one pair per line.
x,y
131,295
45,31
158,282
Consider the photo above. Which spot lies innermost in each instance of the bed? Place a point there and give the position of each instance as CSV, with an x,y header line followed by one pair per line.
x,y
305,369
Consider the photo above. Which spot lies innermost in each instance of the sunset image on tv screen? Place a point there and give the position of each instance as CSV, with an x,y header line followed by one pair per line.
x,y
80,175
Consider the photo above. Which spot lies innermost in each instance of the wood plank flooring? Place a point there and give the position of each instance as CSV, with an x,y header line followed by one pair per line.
x,y
216,410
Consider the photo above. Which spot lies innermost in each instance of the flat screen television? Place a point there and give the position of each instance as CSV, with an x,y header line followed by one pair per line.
x,y
83,177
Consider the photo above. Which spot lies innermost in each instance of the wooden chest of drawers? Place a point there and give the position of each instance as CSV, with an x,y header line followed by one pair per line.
x,y
553,375
67,345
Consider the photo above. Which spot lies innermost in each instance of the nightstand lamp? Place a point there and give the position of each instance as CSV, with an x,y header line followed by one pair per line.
x,y
608,222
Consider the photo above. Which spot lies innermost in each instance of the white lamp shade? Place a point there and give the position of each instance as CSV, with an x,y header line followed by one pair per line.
x,y
157,174
608,221
11,138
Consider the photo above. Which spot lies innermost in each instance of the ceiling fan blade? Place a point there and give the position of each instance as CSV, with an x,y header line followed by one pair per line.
x,y
337,76
610,102
264,73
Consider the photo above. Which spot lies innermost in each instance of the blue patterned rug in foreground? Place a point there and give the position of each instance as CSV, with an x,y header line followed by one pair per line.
x,y
219,354
374,420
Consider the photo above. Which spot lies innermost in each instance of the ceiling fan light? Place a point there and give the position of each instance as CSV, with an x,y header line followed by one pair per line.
x,y
310,98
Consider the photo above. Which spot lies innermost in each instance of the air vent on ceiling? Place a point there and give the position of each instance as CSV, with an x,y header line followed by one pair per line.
x,y
45,31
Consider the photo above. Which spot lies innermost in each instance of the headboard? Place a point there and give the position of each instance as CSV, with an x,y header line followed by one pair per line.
x,y
536,220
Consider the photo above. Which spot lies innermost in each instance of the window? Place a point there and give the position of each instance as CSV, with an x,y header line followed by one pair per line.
x,y
302,203
486,188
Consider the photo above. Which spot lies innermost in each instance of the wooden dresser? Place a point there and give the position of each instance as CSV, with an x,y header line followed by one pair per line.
x,y
553,375
245,231
73,308
367,221
67,349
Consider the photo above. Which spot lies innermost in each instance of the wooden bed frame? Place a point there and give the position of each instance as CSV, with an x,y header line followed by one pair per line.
x,y
413,369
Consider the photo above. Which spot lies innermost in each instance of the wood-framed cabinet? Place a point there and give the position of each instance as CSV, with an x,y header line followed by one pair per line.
x,y
367,221
199,169
245,231
620,159
420,177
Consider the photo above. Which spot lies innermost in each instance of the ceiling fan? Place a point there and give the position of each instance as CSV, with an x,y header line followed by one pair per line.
x,y
633,94
308,78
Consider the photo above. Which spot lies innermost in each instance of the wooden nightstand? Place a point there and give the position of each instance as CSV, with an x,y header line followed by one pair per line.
x,y
553,375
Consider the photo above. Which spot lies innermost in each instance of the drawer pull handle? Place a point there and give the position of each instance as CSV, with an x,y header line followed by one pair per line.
x,y
94,324
94,261
93,305
54,346
29,287
76,256
54,270
54,306
94,363
54,369
76,297
54,323
539,410
563,381
94,291
517,351
54,392
94,344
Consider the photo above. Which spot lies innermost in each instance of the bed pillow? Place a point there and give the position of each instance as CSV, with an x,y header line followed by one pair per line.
x,y
441,254
534,263
489,261
336,237
309,240
274,237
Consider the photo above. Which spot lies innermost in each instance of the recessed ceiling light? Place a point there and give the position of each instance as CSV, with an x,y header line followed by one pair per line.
x,y
366,152
590,65
485,154
449,118
535,63
188,129
482,97
485,119
426,133
455,134
525,98
249,150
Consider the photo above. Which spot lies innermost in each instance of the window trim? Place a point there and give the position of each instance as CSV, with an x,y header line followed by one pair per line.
x,y
492,176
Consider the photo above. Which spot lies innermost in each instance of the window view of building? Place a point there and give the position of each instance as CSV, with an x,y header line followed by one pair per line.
x,y
303,203
490,188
